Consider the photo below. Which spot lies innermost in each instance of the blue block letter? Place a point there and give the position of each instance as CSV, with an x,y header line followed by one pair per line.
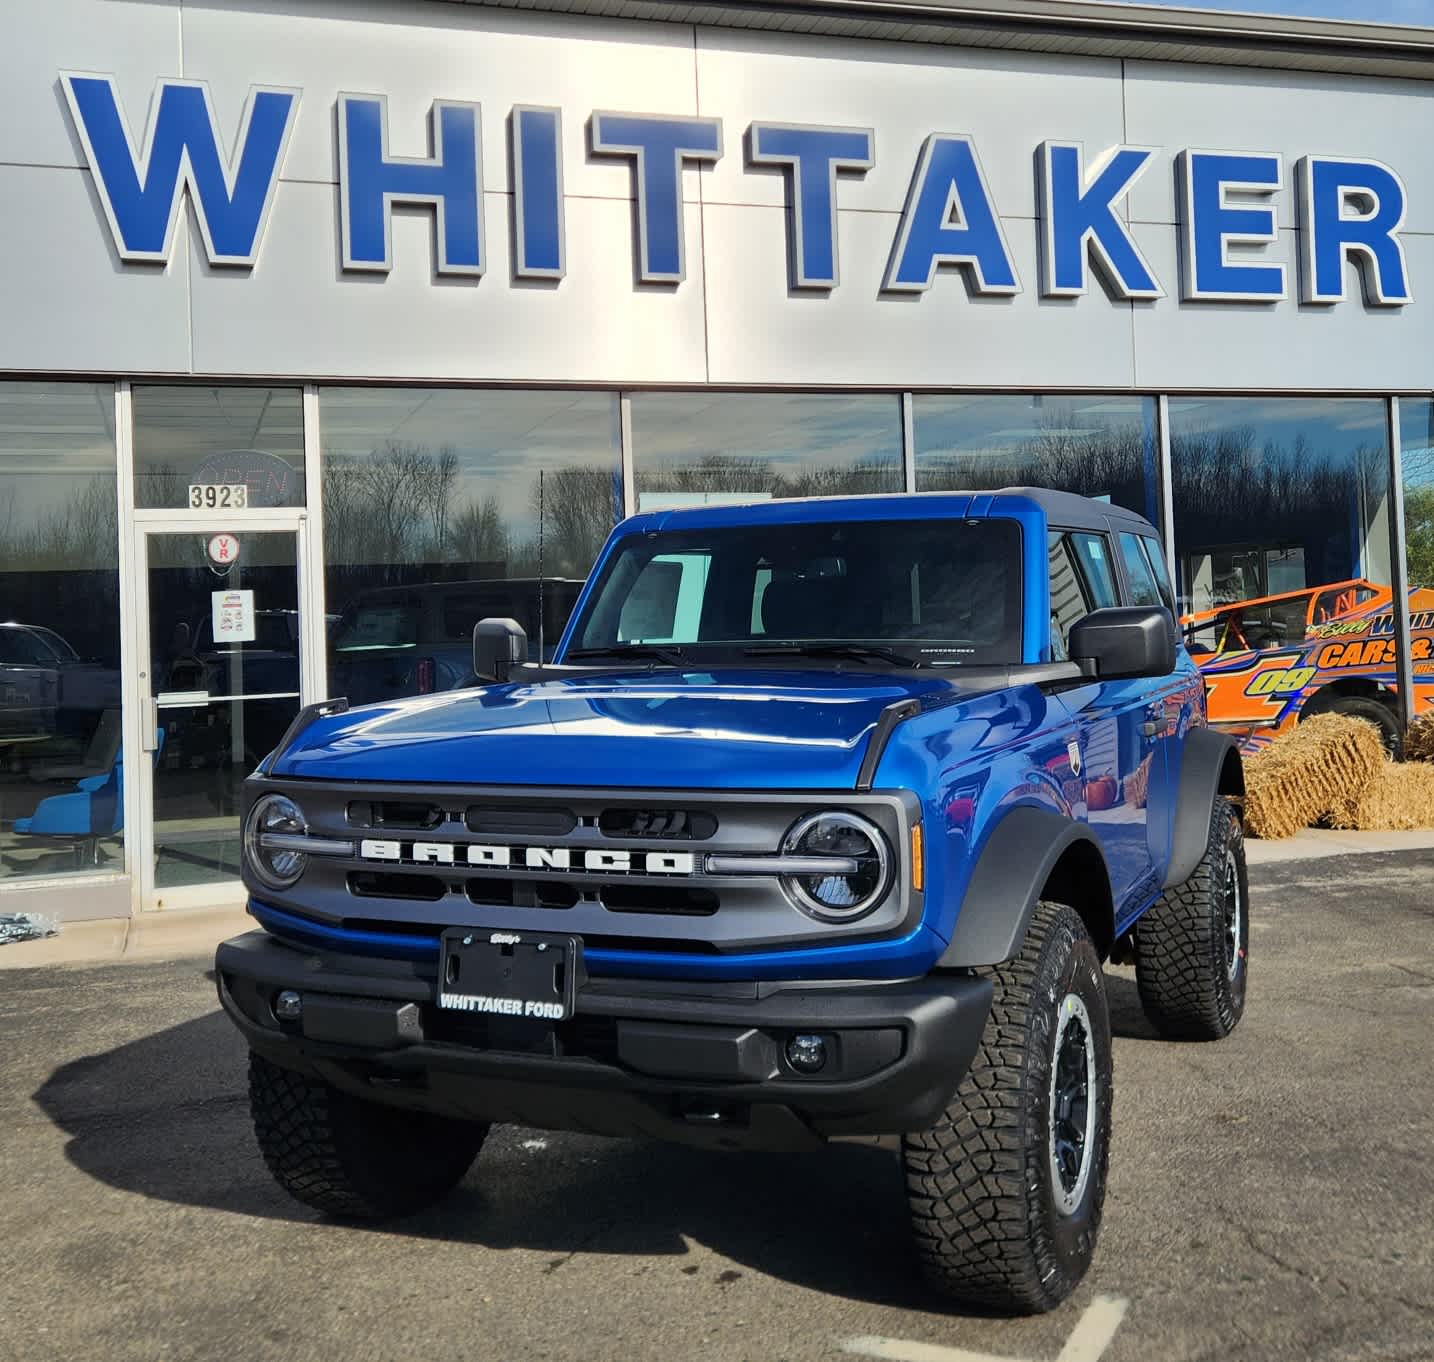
x,y
1210,224
658,146
949,220
812,157
1078,218
371,182
537,150
1352,210
141,189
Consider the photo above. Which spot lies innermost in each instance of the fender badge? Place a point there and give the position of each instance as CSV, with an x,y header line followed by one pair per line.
x,y
1073,752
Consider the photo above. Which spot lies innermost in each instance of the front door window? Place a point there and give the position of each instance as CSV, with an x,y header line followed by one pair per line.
x,y
224,655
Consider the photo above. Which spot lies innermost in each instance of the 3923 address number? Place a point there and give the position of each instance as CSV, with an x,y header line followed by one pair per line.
x,y
229,496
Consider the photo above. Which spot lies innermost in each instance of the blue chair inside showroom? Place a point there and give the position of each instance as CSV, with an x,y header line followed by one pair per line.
x,y
83,817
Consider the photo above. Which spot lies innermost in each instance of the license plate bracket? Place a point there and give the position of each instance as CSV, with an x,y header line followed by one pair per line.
x,y
518,976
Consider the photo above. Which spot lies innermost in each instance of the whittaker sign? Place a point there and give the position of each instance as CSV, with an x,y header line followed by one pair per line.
x,y
1350,211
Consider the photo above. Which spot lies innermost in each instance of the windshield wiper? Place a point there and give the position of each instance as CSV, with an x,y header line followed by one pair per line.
x,y
863,652
673,657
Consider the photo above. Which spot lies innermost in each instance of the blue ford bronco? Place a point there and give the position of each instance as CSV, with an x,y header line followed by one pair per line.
x,y
820,824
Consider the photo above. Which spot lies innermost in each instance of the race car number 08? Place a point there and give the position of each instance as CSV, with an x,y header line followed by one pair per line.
x,y
224,496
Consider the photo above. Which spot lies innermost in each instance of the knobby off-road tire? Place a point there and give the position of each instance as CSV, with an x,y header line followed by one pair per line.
x,y
999,1226
1192,948
353,1158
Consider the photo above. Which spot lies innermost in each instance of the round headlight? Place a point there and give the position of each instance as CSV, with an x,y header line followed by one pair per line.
x,y
274,819
839,897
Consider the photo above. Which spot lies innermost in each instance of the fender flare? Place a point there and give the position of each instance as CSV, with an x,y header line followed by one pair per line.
x,y
1013,868
1210,766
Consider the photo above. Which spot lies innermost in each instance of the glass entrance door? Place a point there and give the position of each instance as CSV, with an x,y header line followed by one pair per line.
x,y
222,683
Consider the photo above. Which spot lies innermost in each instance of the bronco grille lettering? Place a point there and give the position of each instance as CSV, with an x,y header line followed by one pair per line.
x,y
600,861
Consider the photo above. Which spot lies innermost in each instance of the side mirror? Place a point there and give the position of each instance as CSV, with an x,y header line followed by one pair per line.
x,y
1125,641
498,645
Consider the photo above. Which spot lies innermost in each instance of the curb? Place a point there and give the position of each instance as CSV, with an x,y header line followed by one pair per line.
x,y
1314,844
173,934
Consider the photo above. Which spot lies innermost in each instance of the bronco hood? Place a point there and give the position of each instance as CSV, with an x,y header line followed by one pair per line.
x,y
735,729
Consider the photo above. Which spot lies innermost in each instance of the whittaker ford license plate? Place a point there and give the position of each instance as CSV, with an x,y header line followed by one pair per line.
x,y
528,975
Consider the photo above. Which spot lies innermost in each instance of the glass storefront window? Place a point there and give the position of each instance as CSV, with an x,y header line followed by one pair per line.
x,y
1096,446
1416,444
442,507
1283,543
61,779
191,438
691,449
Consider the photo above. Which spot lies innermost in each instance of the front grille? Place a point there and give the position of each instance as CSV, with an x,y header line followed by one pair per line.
x,y
624,869
398,814
659,898
501,820
370,884
523,893
685,824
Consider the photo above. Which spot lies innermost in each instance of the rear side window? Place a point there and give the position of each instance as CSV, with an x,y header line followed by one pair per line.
x,y
1068,598
1092,552
461,610
387,625
1156,555
1143,587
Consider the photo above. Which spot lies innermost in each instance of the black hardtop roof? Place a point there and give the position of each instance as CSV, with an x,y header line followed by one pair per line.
x,y
1069,511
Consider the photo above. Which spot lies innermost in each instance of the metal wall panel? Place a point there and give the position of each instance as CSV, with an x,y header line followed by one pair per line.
x,y
1242,346
943,338
299,314
65,302
136,41
70,305
416,53
1008,102
1297,114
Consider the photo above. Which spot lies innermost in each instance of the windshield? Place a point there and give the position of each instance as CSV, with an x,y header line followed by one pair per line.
x,y
937,592
60,647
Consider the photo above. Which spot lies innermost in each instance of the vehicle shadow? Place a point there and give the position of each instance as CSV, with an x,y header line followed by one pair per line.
x,y
166,1117
1127,1017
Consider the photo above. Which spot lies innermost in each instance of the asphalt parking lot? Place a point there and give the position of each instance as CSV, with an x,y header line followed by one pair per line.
x,y
1271,1196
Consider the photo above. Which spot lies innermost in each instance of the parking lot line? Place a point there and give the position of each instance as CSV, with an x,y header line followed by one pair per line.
x,y
1087,1342
1094,1330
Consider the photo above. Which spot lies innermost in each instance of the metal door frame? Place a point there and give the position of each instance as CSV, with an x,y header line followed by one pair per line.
x,y
139,694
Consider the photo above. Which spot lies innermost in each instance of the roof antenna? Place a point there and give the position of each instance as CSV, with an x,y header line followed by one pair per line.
x,y
542,657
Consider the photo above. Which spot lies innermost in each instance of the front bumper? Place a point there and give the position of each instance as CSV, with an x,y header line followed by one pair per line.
x,y
701,1063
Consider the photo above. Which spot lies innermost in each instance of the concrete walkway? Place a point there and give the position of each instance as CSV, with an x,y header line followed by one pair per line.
x,y
1316,843
179,933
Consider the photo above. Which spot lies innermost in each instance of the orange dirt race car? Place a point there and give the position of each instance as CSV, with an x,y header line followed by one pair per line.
x,y
1275,660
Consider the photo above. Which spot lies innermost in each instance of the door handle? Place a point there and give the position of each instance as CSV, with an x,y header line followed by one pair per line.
x,y
149,739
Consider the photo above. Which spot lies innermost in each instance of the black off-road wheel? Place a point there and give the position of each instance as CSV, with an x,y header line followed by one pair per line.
x,y
1006,1188
348,1157
1192,948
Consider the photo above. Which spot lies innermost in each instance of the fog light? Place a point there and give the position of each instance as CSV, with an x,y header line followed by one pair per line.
x,y
288,1005
807,1054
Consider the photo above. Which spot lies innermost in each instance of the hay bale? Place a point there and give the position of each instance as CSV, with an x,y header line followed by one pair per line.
x,y
1299,778
1137,784
1400,796
1419,739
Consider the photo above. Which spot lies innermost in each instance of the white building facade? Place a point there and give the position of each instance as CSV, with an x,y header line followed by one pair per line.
x,y
313,308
